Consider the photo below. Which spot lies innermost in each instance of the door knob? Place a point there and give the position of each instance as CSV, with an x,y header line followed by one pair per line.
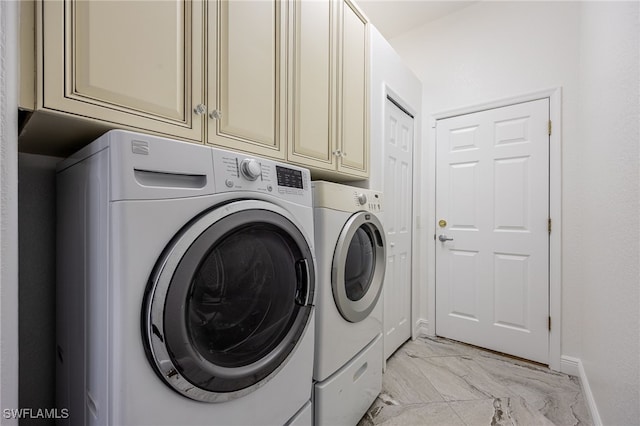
x,y
444,238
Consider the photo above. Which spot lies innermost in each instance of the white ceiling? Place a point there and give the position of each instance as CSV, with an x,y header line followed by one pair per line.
x,y
394,17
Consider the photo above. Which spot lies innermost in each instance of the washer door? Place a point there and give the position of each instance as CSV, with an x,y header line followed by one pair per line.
x,y
228,301
358,266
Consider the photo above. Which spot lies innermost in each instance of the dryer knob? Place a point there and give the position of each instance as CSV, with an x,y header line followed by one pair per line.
x,y
362,199
250,169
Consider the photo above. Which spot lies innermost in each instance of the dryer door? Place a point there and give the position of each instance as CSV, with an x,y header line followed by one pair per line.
x,y
229,300
358,266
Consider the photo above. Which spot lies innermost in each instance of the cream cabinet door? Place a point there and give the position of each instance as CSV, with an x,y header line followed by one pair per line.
x,y
312,100
131,63
246,69
353,88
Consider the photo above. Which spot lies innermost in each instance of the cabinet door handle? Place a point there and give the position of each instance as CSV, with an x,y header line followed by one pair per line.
x,y
337,153
215,114
200,109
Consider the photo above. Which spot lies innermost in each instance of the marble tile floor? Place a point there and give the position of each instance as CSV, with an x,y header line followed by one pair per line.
x,y
435,381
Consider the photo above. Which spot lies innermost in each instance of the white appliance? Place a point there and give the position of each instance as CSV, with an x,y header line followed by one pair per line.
x,y
186,279
351,259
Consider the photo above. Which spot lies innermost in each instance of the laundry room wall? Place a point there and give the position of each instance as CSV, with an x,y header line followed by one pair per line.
x,y
8,207
390,75
609,240
496,50
37,277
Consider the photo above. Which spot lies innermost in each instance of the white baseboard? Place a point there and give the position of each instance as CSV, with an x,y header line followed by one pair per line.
x,y
570,365
421,328
574,367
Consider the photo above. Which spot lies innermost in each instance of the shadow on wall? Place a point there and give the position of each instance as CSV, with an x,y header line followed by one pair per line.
x,y
37,277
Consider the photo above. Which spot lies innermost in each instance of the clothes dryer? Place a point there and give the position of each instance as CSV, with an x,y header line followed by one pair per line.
x,y
186,281
351,259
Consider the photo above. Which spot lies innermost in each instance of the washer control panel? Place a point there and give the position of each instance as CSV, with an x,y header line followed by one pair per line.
x,y
240,172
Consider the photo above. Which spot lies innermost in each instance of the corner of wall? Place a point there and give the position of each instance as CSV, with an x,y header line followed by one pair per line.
x,y
9,207
421,328
573,367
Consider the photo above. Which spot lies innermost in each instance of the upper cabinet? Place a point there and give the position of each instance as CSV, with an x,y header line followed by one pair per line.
x,y
285,79
125,63
353,135
313,86
246,76
329,86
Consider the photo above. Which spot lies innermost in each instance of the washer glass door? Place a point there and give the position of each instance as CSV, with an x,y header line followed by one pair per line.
x,y
358,266
229,301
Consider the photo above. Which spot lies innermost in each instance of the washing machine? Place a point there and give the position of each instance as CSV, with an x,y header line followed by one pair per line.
x,y
185,287
351,260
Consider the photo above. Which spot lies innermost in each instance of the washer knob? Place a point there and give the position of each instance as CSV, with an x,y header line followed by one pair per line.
x,y
362,198
250,169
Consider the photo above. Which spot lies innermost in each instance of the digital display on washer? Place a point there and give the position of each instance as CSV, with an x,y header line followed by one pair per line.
x,y
289,177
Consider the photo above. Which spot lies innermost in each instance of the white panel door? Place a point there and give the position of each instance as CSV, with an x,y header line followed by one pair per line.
x,y
398,195
492,190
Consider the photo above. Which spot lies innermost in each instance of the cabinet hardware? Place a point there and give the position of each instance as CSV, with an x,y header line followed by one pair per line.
x,y
200,109
215,114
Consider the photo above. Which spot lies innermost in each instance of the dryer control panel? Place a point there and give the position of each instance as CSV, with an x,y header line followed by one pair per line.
x,y
240,172
346,198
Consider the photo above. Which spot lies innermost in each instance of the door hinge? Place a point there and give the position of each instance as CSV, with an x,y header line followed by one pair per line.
x,y
549,323
549,225
549,127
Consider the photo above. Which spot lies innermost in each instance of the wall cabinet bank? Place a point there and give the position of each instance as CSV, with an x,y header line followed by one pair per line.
x,y
281,79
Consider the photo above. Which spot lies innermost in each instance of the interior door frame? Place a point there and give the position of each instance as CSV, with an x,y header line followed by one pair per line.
x,y
555,209
389,95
